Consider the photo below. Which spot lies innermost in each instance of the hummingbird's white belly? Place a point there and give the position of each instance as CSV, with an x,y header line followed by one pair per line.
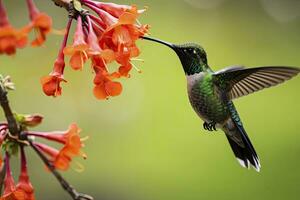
x,y
192,79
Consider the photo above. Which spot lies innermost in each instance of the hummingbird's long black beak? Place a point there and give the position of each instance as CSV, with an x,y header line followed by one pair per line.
x,y
177,48
172,46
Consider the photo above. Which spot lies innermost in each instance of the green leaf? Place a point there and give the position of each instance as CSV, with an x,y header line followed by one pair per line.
x,y
11,147
20,118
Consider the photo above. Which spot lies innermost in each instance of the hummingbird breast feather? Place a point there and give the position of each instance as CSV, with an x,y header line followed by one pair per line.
x,y
205,98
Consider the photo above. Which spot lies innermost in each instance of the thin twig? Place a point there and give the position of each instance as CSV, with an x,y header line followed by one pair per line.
x,y
12,126
69,188
11,121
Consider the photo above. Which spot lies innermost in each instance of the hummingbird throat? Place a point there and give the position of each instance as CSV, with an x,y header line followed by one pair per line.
x,y
192,67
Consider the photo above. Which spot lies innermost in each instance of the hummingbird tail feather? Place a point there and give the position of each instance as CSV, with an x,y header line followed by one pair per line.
x,y
245,155
240,142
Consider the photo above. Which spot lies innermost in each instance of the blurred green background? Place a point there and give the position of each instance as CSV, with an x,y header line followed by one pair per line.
x,y
148,144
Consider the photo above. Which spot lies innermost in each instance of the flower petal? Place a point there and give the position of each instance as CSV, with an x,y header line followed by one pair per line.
x,y
100,92
42,23
51,85
113,88
77,60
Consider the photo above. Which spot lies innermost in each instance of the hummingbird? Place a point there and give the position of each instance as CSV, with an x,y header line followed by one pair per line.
x,y
211,94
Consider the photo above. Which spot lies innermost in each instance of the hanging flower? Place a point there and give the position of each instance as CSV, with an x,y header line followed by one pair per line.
x,y
40,22
78,51
10,190
72,144
10,38
105,87
104,39
51,83
24,184
61,159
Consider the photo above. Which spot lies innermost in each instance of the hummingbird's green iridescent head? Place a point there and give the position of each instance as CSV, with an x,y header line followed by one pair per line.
x,y
192,56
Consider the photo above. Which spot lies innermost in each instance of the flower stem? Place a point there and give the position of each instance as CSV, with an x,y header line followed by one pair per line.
x,y
66,186
84,2
33,11
59,65
3,15
23,160
94,8
54,136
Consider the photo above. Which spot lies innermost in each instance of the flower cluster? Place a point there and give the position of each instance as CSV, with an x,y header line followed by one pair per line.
x,y
60,159
12,38
104,34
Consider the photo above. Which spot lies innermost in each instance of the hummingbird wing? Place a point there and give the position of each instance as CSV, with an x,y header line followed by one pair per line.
x,y
240,81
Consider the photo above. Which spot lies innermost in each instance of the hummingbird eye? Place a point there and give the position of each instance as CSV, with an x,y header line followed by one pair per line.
x,y
190,51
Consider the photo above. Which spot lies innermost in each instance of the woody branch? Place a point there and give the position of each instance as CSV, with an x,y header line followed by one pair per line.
x,y
11,121
65,185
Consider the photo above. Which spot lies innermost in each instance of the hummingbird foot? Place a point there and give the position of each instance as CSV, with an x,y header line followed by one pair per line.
x,y
211,126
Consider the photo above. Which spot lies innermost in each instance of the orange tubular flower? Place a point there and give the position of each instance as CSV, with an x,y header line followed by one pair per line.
x,y
125,69
41,22
95,51
109,37
113,9
52,158
72,146
10,190
121,22
70,138
72,142
121,31
51,83
105,87
59,160
78,50
10,38
94,48
24,184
